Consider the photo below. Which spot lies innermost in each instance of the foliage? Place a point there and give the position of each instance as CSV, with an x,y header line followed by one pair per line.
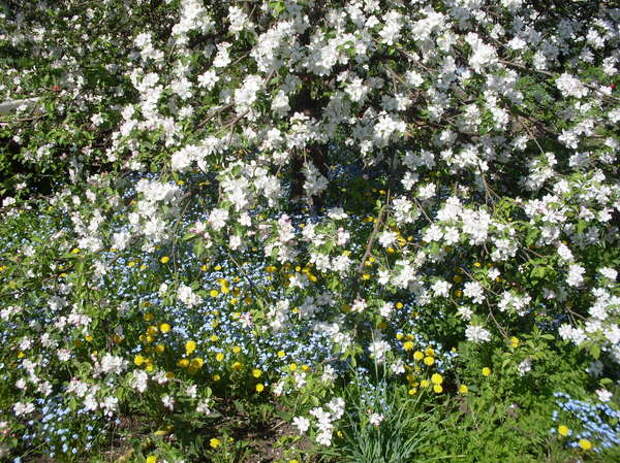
x,y
384,424
225,224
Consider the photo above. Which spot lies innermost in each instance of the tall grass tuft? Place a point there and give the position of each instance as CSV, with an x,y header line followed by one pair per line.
x,y
382,424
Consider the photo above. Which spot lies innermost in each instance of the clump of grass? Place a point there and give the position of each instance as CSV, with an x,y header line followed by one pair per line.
x,y
382,424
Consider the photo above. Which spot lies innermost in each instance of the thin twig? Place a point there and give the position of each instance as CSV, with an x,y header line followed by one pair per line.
x,y
375,231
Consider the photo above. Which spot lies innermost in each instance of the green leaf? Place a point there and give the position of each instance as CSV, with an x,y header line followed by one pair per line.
x,y
595,351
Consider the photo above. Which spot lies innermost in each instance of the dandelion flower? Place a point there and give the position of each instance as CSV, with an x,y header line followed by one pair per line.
x,y
214,443
164,327
190,347
585,444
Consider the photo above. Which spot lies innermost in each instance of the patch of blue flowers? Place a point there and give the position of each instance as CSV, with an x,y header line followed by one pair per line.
x,y
600,423
61,431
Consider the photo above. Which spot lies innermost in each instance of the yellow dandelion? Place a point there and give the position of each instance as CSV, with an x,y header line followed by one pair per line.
x,y
214,443
183,363
152,330
164,327
585,444
190,347
196,363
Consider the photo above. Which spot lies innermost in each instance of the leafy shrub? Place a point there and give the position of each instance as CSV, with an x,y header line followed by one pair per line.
x,y
214,212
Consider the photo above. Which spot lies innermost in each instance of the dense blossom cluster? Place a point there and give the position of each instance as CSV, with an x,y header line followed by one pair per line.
x,y
257,196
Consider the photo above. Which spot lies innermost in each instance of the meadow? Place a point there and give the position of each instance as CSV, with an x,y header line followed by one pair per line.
x,y
302,231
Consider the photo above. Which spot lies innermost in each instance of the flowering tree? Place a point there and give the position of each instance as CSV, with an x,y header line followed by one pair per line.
x,y
205,192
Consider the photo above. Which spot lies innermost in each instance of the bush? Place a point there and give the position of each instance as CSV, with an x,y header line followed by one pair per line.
x,y
223,222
